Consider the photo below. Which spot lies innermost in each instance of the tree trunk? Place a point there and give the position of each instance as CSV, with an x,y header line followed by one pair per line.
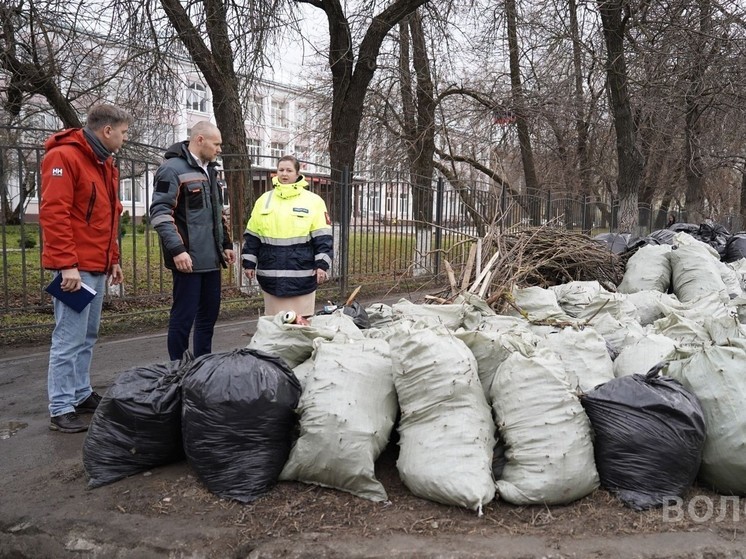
x,y
630,161
581,124
694,107
350,80
519,108
419,118
742,199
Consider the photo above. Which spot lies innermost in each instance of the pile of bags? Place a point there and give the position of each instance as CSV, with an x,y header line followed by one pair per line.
x,y
639,391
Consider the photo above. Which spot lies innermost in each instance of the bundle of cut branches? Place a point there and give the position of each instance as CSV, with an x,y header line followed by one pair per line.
x,y
543,257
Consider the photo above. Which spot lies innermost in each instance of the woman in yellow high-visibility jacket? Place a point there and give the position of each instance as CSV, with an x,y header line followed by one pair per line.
x,y
288,243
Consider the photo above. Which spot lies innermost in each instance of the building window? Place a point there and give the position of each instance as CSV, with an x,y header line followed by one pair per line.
x,y
129,189
254,146
277,149
197,98
255,110
279,114
322,160
302,154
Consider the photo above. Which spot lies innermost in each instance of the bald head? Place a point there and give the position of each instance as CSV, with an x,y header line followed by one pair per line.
x,y
205,141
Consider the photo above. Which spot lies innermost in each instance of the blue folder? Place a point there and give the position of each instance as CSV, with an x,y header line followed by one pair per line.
x,y
76,300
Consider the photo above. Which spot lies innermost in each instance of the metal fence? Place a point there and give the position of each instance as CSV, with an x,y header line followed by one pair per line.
x,y
377,239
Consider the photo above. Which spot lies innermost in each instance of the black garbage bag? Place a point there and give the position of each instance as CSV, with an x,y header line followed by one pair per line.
x,y
735,248
691,228
137,425
649,435
238,421
617,243
358,314
354,310
663,236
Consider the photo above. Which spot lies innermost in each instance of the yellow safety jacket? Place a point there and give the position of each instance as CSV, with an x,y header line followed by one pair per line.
x,y
288,236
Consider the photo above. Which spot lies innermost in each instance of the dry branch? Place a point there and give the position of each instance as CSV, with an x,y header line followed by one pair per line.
x,y
542,257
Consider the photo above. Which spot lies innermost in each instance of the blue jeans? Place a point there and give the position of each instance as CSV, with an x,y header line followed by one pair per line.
x,y
73,338
196,301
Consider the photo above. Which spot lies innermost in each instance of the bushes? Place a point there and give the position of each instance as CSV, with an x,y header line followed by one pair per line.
x,y
27,241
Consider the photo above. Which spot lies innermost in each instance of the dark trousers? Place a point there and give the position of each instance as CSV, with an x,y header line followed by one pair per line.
x,y
196,303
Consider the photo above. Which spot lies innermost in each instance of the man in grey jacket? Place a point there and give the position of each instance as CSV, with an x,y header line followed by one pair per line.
x,y
187,213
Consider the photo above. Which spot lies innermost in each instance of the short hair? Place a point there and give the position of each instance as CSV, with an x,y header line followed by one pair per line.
x,y
106,115
203,128
292,159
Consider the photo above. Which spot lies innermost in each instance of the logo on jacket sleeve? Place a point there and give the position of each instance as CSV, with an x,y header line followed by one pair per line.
x,y
57,172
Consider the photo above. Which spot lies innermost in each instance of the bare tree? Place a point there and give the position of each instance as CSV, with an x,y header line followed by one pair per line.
x,y
352,69
519,105
418,105
614,16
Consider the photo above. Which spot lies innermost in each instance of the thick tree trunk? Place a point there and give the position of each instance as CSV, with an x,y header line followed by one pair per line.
x,y
350,79
519,108
419,117
695,106
630,161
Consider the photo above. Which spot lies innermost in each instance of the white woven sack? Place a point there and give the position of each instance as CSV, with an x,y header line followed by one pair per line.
x,y
730,278
546,432
303,370
648,269
613,304
716,376
538,304
583,355
347,411
575,295
338,322
651,305
695,273
380,315
643,354
292,342
502,323
452,316
697,327
446,429
492,348
617,334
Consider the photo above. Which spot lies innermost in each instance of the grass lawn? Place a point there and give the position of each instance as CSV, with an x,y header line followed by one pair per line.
x,y
380,261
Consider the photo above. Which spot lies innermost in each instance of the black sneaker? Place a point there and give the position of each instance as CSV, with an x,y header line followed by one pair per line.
x,y
88,405
68,423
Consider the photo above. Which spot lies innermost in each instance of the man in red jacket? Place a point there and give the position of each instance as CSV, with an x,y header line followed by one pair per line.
x,y
79,216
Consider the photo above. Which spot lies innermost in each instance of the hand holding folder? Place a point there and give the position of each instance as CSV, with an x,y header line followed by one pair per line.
x,y
76,300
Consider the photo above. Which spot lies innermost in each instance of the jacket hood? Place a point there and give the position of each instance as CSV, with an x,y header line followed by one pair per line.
x,y
69,136
179,149
289,190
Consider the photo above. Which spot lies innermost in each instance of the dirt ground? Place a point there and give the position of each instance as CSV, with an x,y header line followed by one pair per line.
x,y
47,511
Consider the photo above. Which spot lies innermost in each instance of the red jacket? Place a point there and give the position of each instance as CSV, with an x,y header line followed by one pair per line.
x,y
80,205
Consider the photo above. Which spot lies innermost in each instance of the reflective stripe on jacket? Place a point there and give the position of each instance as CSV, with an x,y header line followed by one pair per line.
x,y
187,211
80,205
287,238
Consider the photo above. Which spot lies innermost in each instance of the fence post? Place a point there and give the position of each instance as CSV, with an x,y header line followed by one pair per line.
x,y
438,224
344,233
